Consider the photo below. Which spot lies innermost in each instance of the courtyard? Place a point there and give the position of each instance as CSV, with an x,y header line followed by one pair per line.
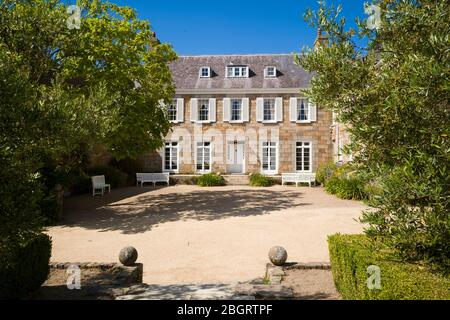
x,y
193,235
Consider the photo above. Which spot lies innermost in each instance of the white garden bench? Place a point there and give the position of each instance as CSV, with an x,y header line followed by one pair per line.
x,y
98,183
298,177
142,178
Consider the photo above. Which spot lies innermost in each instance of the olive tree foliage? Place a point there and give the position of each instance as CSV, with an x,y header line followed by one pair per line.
x,y
394,97
63,88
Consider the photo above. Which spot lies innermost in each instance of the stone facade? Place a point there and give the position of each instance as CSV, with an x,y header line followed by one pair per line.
x,y
286,133
340,139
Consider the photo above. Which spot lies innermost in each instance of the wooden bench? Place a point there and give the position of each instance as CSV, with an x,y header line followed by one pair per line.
x,y
142,178
298,177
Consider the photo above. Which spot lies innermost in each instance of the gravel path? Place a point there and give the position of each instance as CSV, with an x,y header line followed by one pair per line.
x,y
187,234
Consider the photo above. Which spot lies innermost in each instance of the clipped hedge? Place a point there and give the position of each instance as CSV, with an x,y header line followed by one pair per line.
x,y
260,180
210,180
350,257
24,268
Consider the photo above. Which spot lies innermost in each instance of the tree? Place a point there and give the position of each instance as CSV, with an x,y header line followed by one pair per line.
x,y
393,95
64,89
99,82
87,77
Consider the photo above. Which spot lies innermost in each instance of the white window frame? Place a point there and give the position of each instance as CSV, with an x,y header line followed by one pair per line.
x,y
174,104
201,72
306,102
199,107
170,143
266,72
303,147
241,120
274,120
269,171
203,147
239,74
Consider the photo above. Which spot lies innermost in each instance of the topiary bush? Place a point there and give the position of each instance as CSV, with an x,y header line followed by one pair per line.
x,y
260,180
351,255
210,180
325,172
24,267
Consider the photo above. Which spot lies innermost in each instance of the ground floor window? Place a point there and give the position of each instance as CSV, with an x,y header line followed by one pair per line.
x,y
303,156
204,156
171,156
269,157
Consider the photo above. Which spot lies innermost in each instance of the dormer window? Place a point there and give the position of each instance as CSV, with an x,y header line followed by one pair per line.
x,y
237,72
205,72
270,72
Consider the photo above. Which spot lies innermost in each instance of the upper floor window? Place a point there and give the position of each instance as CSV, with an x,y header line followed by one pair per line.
x,y
237,72
302,110
270,72
203,110
205,72
236,109
172,110
269,109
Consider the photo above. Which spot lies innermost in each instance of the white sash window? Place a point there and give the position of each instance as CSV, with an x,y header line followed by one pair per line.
x,y
203,156
303,161
171,157
269,157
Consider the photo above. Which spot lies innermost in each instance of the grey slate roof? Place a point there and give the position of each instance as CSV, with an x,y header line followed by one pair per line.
x,y
185,72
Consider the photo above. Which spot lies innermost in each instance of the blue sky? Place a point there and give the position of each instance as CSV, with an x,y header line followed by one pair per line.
x,y
234,26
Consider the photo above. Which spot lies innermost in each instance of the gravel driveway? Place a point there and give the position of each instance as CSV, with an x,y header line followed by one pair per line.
x,y
188,234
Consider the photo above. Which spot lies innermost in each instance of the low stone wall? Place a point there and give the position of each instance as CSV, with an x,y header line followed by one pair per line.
x,y
118,273
184,179
274,274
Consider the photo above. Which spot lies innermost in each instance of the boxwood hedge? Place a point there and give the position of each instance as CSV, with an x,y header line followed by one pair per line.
x,y
24,268
350,257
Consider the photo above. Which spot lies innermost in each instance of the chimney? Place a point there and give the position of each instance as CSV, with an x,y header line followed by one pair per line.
x,y
321,40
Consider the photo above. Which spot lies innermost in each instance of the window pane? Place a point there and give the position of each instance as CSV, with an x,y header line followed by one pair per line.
x,y
203,111
174,157
269,109
306,158
302,110
236,110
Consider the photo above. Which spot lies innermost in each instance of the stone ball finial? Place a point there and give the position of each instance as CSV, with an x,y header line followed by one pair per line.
x,y
278,256
128,256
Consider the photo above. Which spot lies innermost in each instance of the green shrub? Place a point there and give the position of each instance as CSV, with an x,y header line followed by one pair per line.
x,y
260,180
350,257
324,172
113,176
351,188
24,268
346,183
412,211
210,180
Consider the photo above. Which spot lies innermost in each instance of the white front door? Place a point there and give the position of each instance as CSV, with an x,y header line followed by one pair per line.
x,y
235,157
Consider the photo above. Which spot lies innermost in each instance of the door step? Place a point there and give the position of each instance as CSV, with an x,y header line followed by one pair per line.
x,y
237,179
